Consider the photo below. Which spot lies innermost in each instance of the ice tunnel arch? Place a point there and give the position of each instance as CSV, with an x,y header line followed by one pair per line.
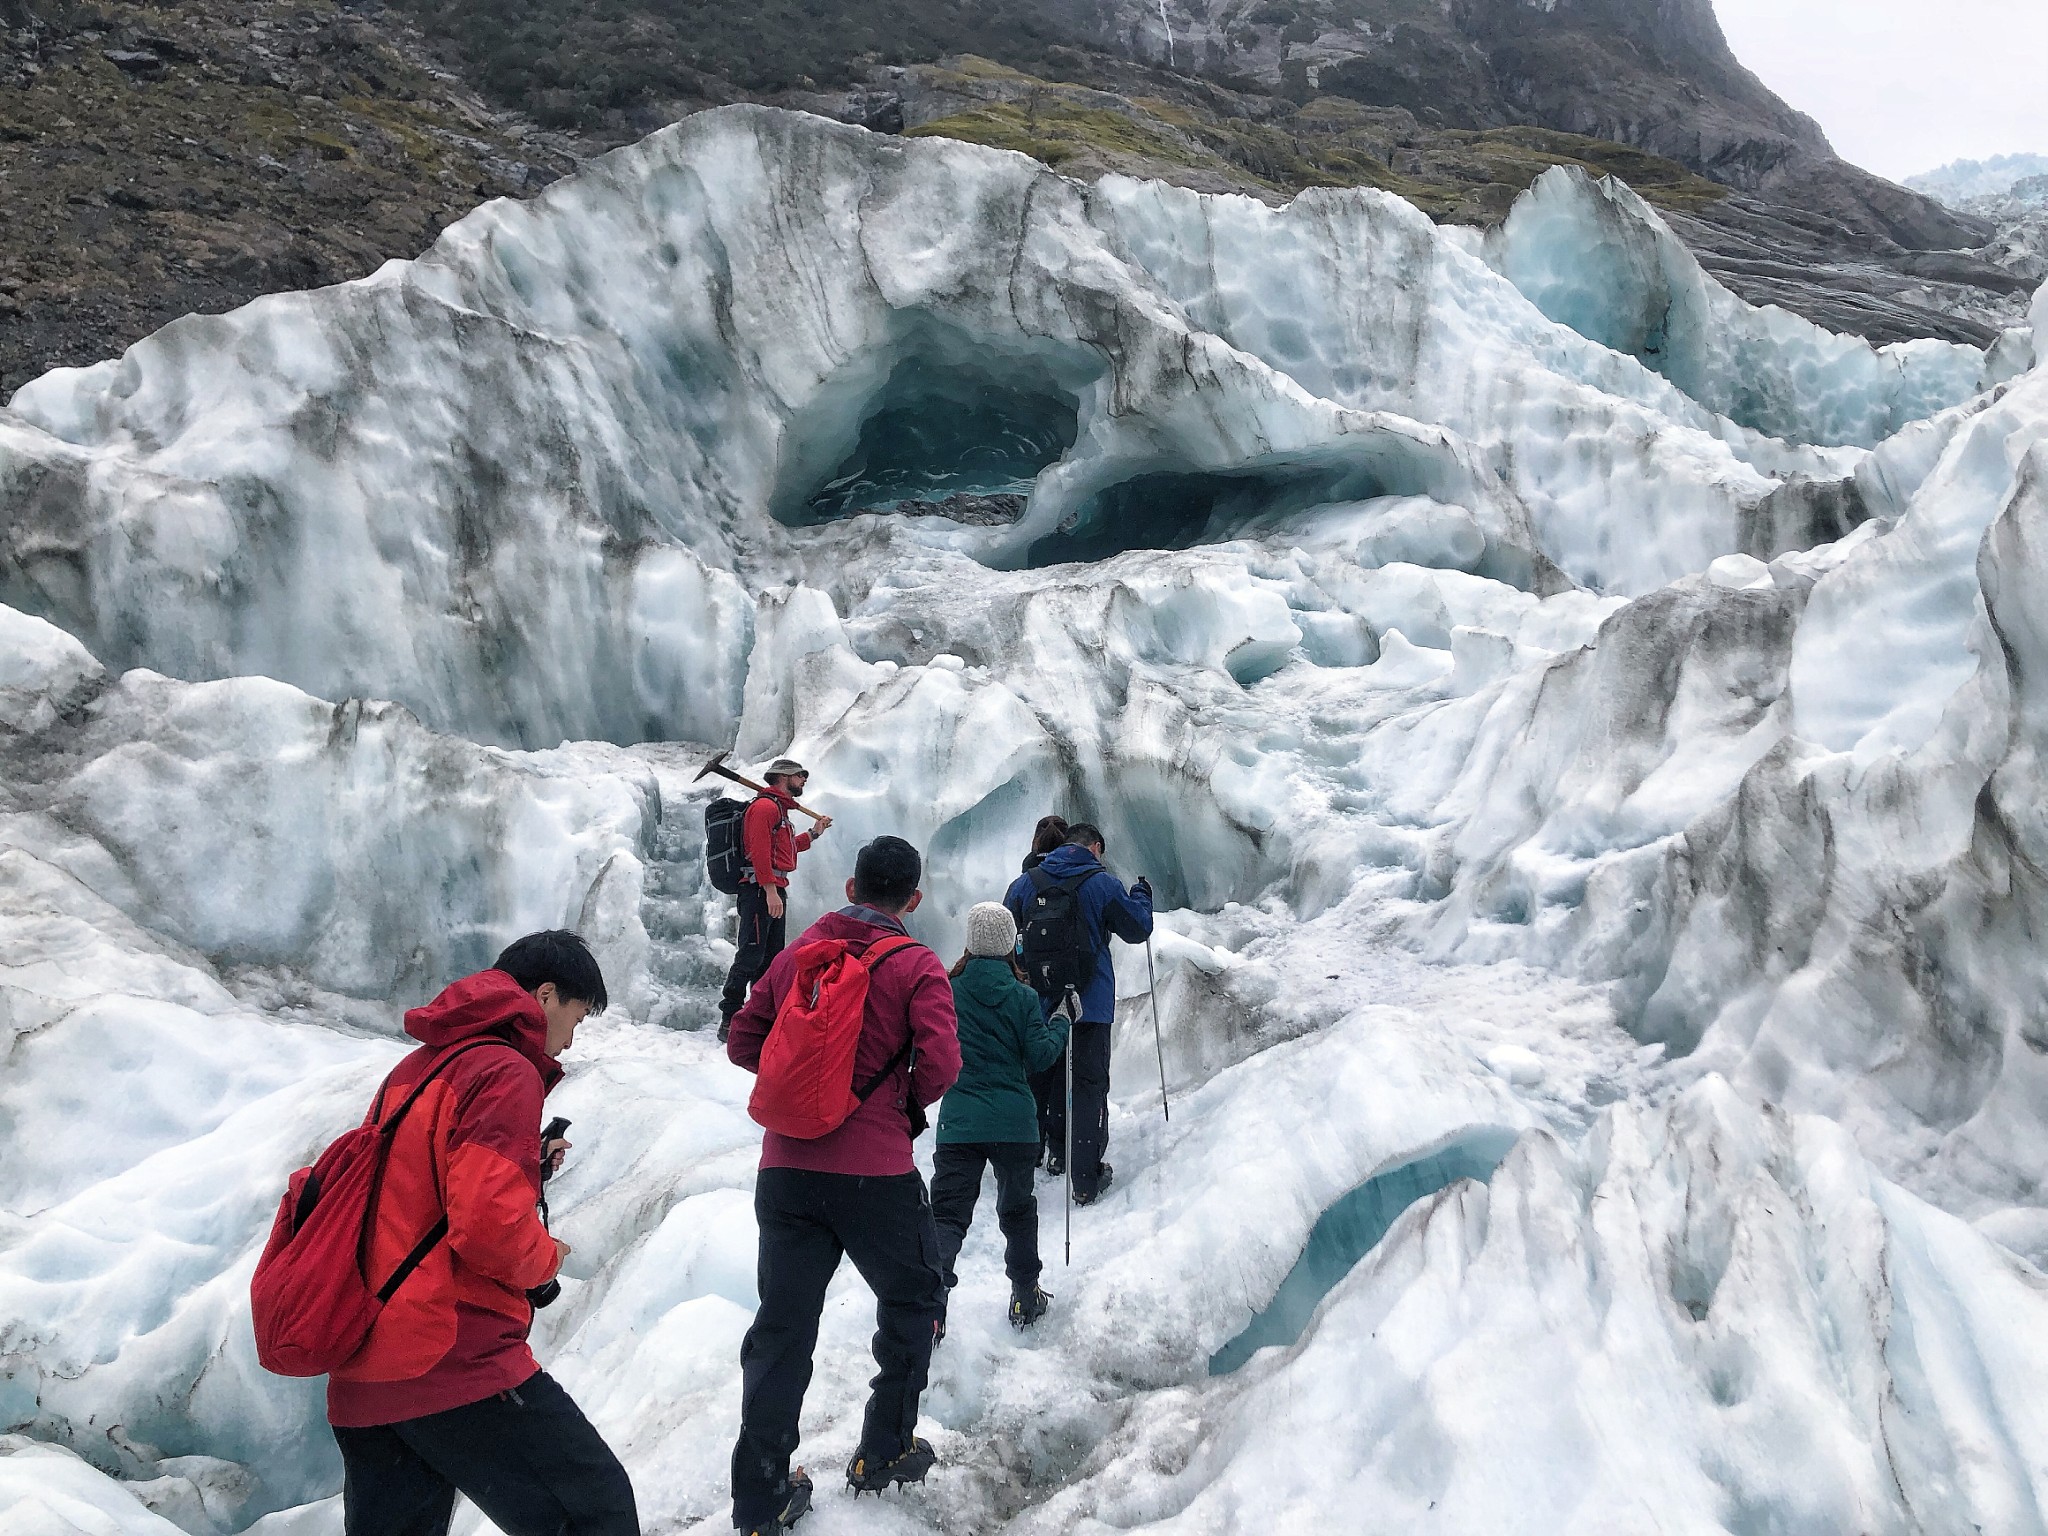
x,y
1085,512
932,413
1180,508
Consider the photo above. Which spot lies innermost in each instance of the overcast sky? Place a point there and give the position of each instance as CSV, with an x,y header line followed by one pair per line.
x,y
1903,86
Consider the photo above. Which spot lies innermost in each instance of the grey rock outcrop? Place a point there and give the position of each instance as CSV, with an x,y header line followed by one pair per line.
x,y
1659,76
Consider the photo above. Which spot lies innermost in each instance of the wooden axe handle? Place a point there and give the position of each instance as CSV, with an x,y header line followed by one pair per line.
x,y
744,782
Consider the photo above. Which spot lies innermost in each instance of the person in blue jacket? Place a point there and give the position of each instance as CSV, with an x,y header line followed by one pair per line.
x,y
1106,908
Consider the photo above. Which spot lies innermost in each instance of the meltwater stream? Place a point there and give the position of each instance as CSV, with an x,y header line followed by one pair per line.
x,y
1346,1233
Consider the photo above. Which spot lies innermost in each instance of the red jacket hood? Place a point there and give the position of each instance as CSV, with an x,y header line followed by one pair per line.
x,y
844,925
488,1003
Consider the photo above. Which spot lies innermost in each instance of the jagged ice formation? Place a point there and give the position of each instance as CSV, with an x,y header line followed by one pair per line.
x,y
1575,721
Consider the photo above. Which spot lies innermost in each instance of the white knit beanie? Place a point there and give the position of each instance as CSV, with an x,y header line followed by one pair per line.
x,y
990,929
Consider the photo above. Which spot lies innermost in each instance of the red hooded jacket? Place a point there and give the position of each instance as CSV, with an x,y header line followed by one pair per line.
x,y
910,997
455,1331
771,844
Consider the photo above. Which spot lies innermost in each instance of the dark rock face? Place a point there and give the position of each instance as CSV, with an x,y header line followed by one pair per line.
x,y
1804,229
1772,253
1655,74
1663,77
154,163
1660,75
133,61
965,507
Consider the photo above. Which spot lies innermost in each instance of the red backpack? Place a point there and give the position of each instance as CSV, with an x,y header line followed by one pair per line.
x,y
310,1300
805,1083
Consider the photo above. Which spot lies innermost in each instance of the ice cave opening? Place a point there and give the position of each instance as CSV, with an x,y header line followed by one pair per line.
x,y
1179,509
938,423
1349,1230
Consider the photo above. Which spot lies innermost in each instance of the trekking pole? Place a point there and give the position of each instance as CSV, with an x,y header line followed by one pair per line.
x,y
1074,1005
1152,989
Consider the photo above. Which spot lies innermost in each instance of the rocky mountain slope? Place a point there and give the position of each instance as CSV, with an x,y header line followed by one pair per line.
x,y
160,161
1838,269
1657,75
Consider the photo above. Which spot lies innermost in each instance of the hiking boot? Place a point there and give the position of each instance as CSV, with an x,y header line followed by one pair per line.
x,y
866,1475
1055,1165
1027,1307
1101,1186
794,1508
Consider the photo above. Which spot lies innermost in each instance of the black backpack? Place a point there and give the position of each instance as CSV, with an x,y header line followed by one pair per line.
x,y
1056,952
725,853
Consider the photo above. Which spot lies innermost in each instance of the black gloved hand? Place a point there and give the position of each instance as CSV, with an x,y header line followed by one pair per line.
x,y
1142,884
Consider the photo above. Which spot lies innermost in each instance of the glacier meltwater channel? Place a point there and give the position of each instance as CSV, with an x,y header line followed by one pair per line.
x,y
1582,730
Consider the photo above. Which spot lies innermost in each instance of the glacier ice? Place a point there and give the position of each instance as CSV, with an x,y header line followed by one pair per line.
x,y
1722,1314
1564,711
1592,255
1346,1232
534,430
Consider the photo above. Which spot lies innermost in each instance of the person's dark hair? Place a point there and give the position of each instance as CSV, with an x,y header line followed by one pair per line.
x,y
1016,969
885,873
1083,834
559,956
1050,832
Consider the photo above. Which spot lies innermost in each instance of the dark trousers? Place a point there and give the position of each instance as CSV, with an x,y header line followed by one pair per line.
x,y
956,1189
760,939
1090,1045
527,1458
807,1221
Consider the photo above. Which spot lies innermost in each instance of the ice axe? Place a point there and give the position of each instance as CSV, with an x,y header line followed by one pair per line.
x,y
717,766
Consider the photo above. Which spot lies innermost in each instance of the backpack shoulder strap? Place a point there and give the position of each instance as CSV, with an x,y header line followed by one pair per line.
x,y
882,949
866,1090
874,955
387,1133
1042,882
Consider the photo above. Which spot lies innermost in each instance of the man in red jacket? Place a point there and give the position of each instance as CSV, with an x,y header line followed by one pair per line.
x,y
771,845
853,1192
445,1396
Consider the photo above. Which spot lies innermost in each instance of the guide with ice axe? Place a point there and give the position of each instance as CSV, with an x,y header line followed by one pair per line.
x,y
767,847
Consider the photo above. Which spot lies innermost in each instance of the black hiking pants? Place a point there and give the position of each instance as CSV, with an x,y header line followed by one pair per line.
x,y
807,1221
760,939
956,1189
527,1458
1090,1044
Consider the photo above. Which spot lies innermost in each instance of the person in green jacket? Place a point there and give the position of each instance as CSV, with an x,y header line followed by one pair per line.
x,y
989,1114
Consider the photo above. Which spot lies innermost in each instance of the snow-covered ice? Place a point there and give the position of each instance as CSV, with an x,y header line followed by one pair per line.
x,y
1572,720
